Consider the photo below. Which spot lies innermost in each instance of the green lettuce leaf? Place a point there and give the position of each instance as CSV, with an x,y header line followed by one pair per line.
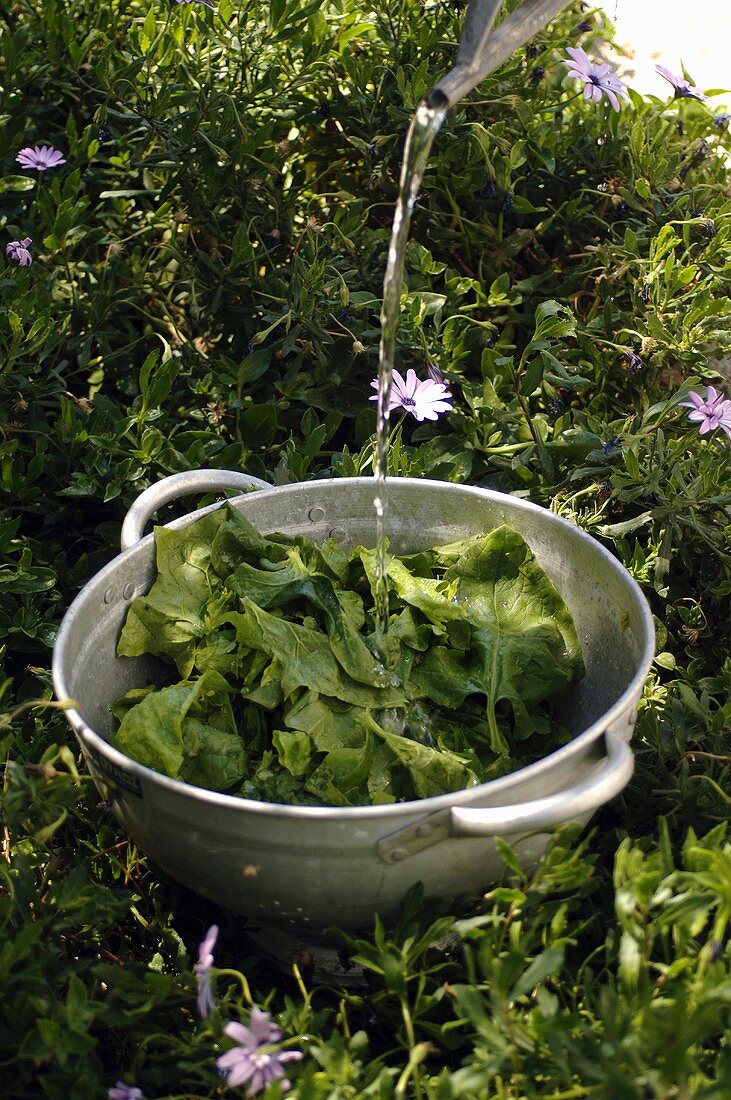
x,y
525,644
236,540
171,618
307,659
282,694
291,580
164,729
213,758
294,750
341,779
432,771
329,723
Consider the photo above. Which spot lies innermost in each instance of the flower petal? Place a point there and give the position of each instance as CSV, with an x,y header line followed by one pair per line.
x,y
262,1027
573,71
667,74
612,98
241,1073
240,1034
208,943
231,1058
581,58
412,383
398,386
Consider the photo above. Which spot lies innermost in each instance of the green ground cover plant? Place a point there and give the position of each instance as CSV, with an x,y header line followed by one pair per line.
x,y
196,282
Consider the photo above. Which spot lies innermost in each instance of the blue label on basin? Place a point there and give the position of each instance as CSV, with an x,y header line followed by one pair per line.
x,y
118,776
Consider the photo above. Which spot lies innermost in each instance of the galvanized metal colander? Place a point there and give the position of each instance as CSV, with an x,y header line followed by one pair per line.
x,y
312,867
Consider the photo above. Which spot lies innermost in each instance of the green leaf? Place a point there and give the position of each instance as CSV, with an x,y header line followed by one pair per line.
x,y
305,659
552,321
544,966
532,376
499,290
643,188
152,731
421,259
518,155
187,731
76,1003
294,749
16,183
432,771
295,579
328,723
214,758
476,625
340,779
524,643
172,617
509,857
147,33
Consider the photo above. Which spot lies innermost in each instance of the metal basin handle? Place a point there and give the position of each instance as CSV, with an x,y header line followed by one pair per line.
x,y
180,485
522,817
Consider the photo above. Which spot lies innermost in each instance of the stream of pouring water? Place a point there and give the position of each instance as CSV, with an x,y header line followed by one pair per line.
x,y
423,130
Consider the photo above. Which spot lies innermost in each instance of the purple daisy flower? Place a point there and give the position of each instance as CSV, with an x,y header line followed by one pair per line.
x,y
40,157
599,80
683,89
424,400
206,1000
19,252
711,412
121,1091
261,1030
633,361
250,1062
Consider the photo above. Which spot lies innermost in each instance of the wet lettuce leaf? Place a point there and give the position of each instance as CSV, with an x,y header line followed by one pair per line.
x,y
213,758
308,657
524,646
187,731
284,695
171,618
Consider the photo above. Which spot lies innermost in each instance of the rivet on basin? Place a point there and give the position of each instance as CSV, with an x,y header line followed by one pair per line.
x,y
316,513
398,854
423,830
128,591
109,595
338,533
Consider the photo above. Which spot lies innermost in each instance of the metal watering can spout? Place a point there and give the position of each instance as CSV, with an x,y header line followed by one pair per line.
x,y
481,52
